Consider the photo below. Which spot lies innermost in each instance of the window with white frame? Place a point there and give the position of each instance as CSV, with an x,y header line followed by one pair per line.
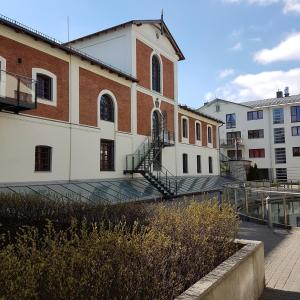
x,y
209,135
198,131
156,73
2,76
185,128
46,86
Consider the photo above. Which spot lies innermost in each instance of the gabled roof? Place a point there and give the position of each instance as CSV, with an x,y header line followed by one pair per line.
x,y
160,22
201,114
273,101
222,100
38,36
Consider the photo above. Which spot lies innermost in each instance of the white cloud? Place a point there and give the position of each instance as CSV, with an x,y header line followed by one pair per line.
x,y
225,73
238,46
289,49
258,86
291,6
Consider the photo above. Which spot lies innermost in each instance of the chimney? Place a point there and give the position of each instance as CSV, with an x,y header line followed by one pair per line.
x,y
286,92
279,94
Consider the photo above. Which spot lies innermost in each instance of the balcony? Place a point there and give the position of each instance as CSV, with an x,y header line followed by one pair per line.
x,y
17,93
231,143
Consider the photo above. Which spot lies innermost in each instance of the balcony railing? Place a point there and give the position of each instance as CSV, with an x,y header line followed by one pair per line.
x,y
17,93
231,143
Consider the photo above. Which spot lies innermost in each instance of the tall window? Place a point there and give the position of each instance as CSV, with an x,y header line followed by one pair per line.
x,y
280,156
278,116
107,110
256,134
199,164
232,154
295,130
184,128
230,121
279,136
296,151
295,113
256,153
156,74
255,115
210,165
107,156
44,87
185,163
209,135
43,158
198,131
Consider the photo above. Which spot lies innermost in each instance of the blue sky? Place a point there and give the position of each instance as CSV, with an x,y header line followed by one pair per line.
x,y
235,49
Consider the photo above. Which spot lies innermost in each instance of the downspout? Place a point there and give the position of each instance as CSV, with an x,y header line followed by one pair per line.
x,y
219,143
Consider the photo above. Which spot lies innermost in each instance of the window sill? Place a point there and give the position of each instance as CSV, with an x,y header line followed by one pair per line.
x,y
46,102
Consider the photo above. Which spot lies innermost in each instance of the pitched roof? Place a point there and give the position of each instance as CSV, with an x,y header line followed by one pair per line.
x,y
201,114
222,100
273,101
18,27
138,23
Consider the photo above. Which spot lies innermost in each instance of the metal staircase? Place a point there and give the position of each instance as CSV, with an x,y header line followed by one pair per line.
x,y
146,161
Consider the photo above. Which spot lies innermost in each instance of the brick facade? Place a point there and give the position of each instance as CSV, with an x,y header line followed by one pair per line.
x,y
169,109
90,86
168,78
144,108
32,58
143,54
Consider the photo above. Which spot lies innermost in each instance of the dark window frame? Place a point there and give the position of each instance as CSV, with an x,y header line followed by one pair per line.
x,y
279,159
199,167
43,158
44,87
210,165
156,73
230,124
255,115
295,131
198,131
107,160
232,136
185,128
209,135
185,163
296,151
256,134
295,114
107,108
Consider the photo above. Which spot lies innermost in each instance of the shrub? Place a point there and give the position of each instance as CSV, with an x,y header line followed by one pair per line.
x,y
181,243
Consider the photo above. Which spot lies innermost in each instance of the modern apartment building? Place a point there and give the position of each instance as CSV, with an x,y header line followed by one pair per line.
x,y
102,106
266,132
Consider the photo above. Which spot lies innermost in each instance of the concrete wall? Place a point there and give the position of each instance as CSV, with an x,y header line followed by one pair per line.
x,y
241,277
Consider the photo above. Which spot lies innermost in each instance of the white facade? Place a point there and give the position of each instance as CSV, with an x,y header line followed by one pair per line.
x,y
220,108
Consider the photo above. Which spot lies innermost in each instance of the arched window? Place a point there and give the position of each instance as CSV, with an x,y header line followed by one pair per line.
x,y
209,138
156,74
107,110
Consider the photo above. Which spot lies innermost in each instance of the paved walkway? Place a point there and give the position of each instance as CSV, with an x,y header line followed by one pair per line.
x,y
282,260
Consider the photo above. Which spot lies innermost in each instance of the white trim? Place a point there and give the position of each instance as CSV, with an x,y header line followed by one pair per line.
x,y
210,145
3,77
108,92
52,102
161,72
185,140
198,142
155,94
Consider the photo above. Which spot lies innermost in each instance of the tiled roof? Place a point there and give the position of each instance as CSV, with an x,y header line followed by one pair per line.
x,y
201,114
273,101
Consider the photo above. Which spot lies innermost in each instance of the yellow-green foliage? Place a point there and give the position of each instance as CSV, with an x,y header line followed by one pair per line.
x,y
180,244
